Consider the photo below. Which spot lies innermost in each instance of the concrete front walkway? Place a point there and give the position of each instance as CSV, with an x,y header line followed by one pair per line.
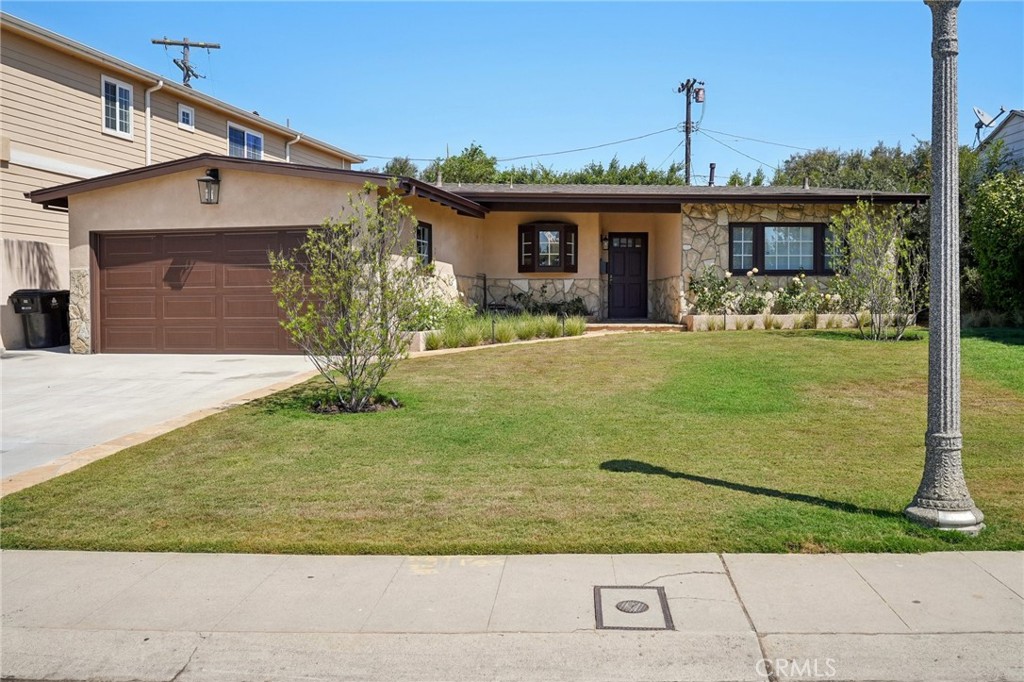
x,y
55,403
181,617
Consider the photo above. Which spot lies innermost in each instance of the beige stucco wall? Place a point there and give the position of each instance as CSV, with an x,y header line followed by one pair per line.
x,y
171,202
457,239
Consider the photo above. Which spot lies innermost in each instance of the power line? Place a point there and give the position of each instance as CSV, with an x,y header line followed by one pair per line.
x,y
671,153
712,137
534,156
583,149
754,139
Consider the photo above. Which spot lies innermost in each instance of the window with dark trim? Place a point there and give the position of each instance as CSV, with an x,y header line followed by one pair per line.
x,y
548,247
425,242
780,249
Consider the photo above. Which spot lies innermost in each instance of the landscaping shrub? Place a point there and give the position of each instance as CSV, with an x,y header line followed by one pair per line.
x,y
505,331
434,341
550,326
527,327
525,302
575,326
997,234
345,299
711,291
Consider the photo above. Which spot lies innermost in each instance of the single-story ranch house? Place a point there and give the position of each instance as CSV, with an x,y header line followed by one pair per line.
x,y
153,269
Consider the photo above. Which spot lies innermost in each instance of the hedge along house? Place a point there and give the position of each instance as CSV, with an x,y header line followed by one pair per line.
x,y
155,268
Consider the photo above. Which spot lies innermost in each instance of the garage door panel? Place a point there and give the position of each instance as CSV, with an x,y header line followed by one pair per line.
x,y
126,277
130,339
129,308
190,339
204,292
189,307
248,244
247,276
196,246
249,307
128,248
256,339
190,275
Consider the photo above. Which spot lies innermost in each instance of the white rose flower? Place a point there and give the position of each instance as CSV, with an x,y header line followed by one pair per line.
x,y
750,273
728,274
754,271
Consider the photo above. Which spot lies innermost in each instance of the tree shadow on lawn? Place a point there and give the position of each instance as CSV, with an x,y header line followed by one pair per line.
x,y
632,466
1009,336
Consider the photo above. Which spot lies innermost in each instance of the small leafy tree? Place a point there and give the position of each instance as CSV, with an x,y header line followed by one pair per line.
x,y
997,232
882,271
401,166
348,290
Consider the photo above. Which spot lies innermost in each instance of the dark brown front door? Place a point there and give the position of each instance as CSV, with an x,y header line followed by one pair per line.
x,y
627,275
189,292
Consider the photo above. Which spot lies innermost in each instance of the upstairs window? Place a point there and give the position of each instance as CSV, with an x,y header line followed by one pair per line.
x,y
243,143
186,117
117,107
548,247
425,242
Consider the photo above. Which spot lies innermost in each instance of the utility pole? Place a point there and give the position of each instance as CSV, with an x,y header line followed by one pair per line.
x,y
694,89
187,70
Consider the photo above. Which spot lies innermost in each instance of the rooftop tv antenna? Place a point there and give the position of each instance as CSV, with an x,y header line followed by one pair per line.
x,y
188,72
984,121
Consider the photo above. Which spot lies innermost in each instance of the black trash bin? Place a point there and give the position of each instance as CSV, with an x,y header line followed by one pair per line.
x,y
44,313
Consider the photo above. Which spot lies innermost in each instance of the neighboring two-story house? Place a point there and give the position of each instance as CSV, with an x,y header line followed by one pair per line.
x,y
1010,132
69,112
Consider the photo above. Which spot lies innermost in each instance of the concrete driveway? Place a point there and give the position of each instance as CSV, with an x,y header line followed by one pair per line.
x,y
55,403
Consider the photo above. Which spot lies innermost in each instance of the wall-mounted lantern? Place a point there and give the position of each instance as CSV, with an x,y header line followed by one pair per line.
x,y
209,187
604,242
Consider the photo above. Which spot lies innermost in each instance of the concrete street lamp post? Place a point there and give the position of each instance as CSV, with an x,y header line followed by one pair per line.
x,y
942,500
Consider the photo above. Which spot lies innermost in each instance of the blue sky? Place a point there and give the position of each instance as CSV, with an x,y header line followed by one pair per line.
x,y
525,78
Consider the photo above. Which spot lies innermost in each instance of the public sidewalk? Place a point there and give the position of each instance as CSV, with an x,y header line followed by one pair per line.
x,y
190,617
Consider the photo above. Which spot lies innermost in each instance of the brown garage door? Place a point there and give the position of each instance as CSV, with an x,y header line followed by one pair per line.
x,y
190,292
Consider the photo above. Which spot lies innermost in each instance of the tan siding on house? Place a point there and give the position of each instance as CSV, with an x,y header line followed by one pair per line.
x,y
21,219
306,156
52,102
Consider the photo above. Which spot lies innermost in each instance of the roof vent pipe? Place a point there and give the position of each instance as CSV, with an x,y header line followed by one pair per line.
x,y
440,181
807,183
711,176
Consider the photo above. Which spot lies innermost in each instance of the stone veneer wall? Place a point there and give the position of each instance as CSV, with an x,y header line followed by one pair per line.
x,y
501,290
706,234
665,299
80,312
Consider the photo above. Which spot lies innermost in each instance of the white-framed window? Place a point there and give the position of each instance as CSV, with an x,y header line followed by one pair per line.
x,y
186,117
550,246
781,249
244,143
117,107
789,248
742,248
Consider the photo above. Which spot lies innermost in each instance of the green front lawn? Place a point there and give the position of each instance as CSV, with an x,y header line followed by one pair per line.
x,y
739,442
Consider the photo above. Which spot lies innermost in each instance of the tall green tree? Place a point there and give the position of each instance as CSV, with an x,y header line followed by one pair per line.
x,y
401,166
473,164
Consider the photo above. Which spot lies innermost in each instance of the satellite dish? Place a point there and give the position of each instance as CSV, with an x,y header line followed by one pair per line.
x,y
984,121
